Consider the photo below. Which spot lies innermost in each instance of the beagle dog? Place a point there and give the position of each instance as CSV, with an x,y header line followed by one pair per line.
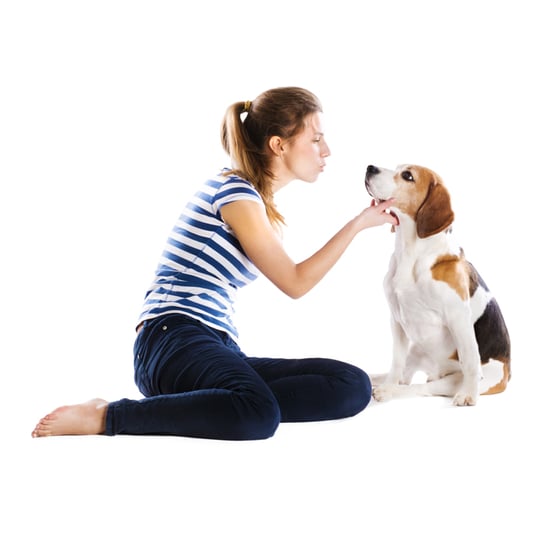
x,y
445,322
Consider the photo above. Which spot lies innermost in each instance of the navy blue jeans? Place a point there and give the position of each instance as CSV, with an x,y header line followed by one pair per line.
x,y
198,383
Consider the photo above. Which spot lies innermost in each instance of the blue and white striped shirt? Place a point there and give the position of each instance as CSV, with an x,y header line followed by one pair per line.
x,y
203,263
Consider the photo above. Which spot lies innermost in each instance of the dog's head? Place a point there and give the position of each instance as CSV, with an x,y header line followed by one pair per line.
x,y
418,192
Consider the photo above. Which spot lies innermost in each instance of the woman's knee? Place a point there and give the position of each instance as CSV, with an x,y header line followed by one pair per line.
x,y
363,389
358,391
259,418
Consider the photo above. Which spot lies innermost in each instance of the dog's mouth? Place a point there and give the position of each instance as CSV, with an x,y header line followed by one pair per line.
x,y
371,192
378,200
388,211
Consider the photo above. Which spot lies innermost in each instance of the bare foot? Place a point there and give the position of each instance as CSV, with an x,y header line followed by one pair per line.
x,y
83,419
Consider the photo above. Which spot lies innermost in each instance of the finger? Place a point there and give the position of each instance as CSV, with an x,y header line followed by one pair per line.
x,y
387,203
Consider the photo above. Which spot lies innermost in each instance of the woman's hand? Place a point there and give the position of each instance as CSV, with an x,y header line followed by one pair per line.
x,y
376,214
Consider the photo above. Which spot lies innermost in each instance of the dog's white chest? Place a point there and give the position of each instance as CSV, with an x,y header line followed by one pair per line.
x,y
409,290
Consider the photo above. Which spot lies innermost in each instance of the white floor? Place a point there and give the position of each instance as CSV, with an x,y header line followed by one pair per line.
x,y
414,473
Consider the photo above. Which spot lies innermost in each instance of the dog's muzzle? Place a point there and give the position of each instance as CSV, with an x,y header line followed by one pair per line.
x,y
371,171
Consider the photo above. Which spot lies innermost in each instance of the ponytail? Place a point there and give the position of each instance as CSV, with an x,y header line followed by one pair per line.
x,y
247,127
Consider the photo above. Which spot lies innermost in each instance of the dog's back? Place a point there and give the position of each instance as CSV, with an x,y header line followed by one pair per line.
x,y
493,340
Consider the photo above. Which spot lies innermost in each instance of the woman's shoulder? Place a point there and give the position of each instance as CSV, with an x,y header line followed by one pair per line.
x,y
228,186
229,177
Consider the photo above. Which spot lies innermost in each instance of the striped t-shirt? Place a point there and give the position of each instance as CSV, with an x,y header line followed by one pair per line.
x,y
203,263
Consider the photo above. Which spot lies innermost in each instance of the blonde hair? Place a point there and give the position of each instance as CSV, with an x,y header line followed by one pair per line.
x,y
247,127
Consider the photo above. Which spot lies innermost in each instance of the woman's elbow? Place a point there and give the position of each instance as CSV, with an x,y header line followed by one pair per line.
x,y
294,287
295,292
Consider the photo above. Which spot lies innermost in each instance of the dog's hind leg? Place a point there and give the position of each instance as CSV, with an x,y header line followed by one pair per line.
x,y
419,362
446,386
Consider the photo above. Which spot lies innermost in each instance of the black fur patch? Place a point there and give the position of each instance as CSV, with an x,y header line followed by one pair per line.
x,y
492,335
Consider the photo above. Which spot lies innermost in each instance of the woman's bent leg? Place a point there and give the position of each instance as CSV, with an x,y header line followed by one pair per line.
x,y
197,384
212,414
314,389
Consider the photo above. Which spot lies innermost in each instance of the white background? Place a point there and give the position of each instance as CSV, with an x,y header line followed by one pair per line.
x,y
110,115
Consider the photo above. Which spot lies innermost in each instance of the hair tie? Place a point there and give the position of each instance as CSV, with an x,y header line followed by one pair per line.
x,y
246,106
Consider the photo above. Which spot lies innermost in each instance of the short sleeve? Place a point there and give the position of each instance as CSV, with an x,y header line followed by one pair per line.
x,y
235,189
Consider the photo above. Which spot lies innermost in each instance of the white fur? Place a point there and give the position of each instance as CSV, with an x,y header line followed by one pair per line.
x,y
430,320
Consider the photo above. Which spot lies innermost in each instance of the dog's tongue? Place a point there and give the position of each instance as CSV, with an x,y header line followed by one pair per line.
x,y
397,219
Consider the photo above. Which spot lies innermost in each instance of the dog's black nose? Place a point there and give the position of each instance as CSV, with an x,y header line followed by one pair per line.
x,y
372,170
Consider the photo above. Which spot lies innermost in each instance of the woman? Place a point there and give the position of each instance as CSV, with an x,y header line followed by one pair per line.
x,y
196,380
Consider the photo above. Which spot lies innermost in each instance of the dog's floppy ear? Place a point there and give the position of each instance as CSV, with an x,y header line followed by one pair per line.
x,y
435,213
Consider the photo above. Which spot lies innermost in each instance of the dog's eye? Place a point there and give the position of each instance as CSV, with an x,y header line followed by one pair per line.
x,y
406,175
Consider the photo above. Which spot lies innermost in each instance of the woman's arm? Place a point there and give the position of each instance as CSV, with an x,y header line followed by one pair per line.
x,y
263,246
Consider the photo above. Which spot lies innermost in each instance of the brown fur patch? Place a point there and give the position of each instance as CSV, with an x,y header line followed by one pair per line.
x,y
411,196
474,278
500,386
425,199
450,269
435,213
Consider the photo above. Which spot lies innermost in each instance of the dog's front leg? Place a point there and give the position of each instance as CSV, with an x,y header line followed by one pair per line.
x,y
399,354
470,362
385,388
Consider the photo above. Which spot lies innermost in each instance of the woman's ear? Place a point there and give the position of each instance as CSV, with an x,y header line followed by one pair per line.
x,y
276,145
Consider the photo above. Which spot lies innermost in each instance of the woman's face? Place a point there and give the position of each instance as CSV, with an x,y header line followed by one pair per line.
x,y
304,156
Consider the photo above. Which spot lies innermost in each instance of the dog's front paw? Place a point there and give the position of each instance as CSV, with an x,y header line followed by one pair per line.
x,y
383,392
377,379
464,399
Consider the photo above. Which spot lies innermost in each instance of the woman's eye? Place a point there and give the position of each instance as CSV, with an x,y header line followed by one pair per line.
x,y
406,175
